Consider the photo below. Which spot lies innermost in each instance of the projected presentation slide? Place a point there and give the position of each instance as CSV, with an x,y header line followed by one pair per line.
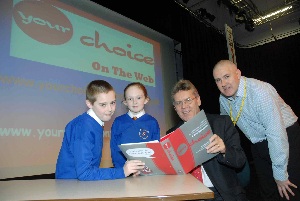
x,y
50,51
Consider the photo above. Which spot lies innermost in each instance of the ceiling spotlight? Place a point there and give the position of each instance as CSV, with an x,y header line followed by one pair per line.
x,y
201,12
249,25
240,17
210,17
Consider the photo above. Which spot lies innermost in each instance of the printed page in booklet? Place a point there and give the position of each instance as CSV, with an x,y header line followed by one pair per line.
x,y
178,152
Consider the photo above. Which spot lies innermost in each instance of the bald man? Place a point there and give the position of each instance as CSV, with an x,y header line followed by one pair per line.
x,y
271,126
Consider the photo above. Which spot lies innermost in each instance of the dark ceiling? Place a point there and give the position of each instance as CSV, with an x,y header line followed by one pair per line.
x,y
160,16
248,18
152,14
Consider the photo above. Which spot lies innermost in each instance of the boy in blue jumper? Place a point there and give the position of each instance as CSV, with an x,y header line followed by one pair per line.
x,y
81,150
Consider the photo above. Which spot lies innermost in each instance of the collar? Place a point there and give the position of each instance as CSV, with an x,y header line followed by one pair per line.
x,y
138,115
93,114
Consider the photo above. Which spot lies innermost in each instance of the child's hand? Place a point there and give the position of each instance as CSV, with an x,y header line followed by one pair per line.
x,y
133,167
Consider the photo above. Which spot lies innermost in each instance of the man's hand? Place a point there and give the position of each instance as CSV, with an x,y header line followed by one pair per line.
x,y
133,167
284,188
216,145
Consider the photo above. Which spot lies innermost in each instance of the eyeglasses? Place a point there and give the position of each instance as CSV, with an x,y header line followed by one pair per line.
x,y
187,101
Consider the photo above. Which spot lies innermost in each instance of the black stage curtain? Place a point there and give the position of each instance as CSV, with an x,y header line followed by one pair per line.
x,y
274,62
277,63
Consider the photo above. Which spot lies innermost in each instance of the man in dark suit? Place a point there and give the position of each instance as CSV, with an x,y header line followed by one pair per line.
x,y
219,173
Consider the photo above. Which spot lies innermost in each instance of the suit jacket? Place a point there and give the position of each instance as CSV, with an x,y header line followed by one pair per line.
x,y
221,169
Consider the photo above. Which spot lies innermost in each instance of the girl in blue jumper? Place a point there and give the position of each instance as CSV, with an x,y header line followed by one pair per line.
x,y
135,125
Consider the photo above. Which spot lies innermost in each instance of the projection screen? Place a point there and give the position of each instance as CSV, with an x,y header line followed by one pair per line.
x,y
50,51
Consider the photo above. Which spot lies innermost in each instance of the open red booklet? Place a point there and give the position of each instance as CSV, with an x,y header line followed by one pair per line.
x,y
177,152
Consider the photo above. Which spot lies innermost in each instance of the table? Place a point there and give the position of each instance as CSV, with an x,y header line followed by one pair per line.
x,y
160,187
